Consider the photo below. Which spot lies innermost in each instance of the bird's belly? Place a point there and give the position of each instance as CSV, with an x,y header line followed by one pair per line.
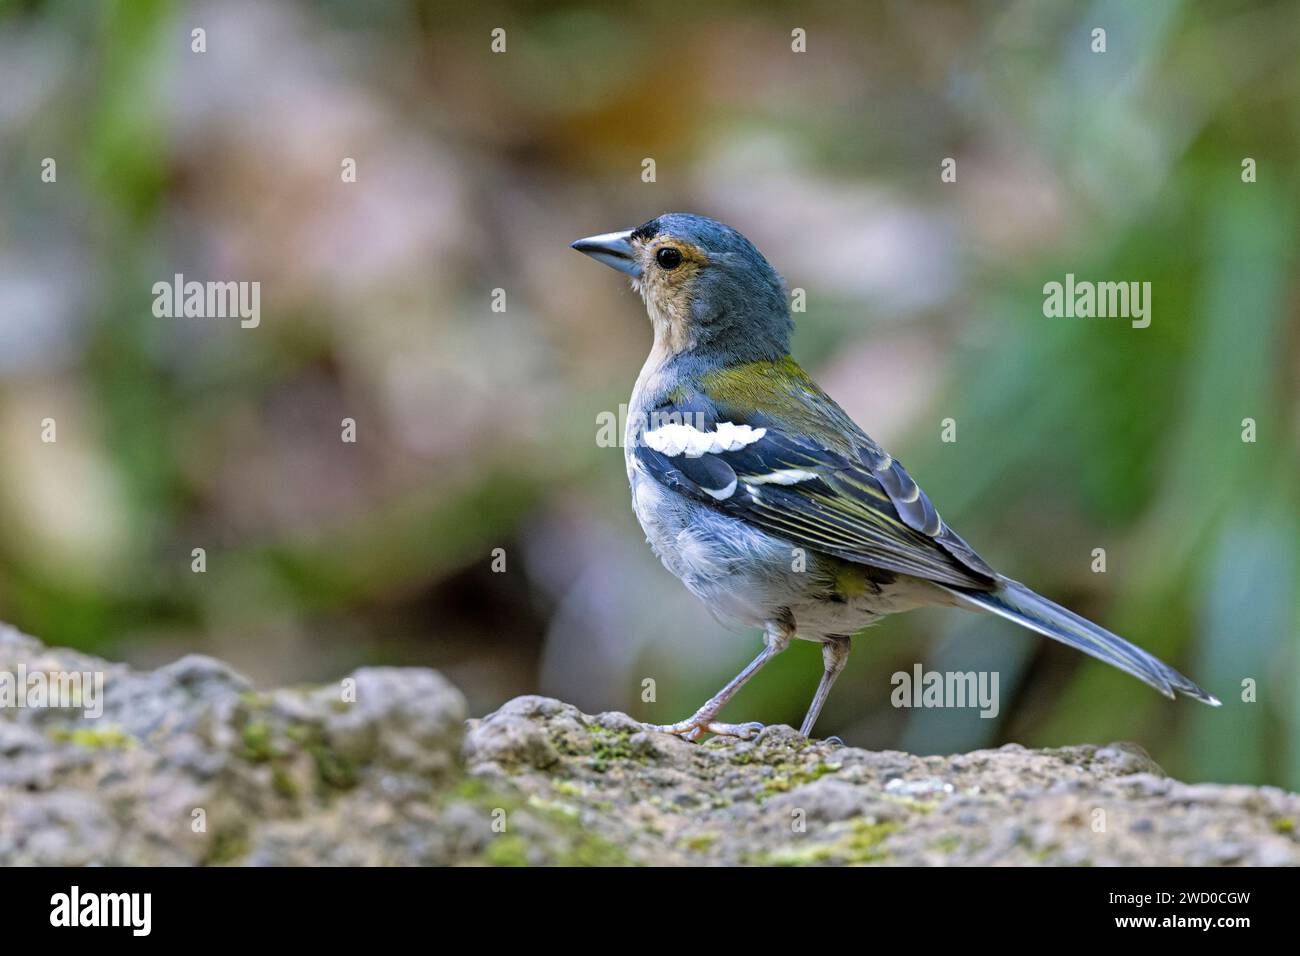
x,y
822,613
723,561
747,575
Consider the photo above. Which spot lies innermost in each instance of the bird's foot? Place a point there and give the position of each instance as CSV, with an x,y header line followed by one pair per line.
x,y
693,728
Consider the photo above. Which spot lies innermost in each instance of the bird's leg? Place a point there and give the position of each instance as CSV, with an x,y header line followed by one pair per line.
x,y
835,654
703,721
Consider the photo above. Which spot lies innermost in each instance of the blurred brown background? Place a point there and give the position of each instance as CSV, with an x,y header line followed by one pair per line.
x,y
477,429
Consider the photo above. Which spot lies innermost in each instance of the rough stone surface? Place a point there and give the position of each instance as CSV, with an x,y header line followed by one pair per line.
x,y
190,765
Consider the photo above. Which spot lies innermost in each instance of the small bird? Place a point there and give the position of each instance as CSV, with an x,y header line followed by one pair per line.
x,y
763,496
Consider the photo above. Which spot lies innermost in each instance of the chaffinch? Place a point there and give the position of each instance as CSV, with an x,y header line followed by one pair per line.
x,y
763,496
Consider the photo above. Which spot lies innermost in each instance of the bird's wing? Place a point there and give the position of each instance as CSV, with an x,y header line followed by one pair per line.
x,y
818,487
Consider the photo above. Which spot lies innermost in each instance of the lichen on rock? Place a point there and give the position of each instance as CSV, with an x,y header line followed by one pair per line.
x,y
191,765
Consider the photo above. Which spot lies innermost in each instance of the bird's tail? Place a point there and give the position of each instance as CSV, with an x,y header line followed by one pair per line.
x,y
1016,602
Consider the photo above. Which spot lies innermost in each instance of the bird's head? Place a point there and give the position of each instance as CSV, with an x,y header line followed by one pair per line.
x,y
706,287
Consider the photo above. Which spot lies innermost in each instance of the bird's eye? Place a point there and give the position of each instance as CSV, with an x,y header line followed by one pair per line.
x,y
668,258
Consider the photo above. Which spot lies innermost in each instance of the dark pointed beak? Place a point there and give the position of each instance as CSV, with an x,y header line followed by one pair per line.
x,y
614,249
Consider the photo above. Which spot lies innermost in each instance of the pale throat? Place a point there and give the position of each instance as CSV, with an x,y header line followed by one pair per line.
x,y
669,316
652,384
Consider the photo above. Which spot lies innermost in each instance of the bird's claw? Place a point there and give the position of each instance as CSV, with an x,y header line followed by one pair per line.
x,y
694,728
